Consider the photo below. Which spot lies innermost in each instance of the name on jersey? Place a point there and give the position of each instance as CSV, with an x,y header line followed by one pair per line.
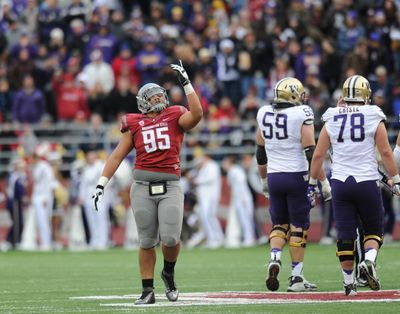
x,y
154,126
348,109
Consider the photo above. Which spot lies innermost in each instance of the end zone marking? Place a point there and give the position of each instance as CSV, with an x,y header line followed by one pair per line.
x,y
245,298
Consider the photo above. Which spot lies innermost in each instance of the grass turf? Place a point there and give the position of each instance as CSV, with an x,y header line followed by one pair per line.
x,y
33,282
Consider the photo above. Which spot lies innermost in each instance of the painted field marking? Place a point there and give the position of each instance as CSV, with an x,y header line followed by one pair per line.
x,y
246,298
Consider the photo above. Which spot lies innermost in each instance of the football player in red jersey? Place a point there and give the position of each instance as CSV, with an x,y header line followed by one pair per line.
x,y
156,196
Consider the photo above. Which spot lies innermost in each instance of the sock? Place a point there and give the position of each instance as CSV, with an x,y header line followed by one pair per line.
x,y
147,285
348,276
297,268
276,254
169,267
370,254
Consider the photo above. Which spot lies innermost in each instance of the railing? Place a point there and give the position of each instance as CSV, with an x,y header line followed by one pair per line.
x,y
239,140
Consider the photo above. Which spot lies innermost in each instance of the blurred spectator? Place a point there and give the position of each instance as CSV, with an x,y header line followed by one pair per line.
x,y
95,135
357,58
6,101
150,60
29,103
249,105
77,38
104,41
279,71
76,10
381,81
99,74
124,64
29,16
16,199
309,57
330,71
49,17
21,66
70,98
228,71
121,99
353,30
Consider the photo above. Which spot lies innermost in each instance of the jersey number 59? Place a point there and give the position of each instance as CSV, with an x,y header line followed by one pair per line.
x,y
280,126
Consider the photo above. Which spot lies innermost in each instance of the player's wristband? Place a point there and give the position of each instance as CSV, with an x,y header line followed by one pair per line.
x,y
396,179
312,181
325,184
103,181
188,88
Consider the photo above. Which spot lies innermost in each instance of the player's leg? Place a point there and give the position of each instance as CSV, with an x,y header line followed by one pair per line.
x,y
170,217
346,218
299,213
145,212
280,226
371,214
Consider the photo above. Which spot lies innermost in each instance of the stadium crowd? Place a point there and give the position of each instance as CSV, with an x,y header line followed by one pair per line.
x,y
83,61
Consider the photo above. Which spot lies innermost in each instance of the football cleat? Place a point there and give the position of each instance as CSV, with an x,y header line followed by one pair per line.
x,y
361,281
300,284
367,268
350,289
170,288
272,281
147,297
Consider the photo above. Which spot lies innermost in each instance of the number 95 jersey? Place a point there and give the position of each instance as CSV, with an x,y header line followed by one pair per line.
x,y
281,130
351,132
157,140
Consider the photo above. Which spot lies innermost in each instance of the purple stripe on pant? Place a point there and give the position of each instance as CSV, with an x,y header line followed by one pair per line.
x,y
288,199
352,201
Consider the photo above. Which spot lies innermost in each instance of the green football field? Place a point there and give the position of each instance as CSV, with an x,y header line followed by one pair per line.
x,y
63,282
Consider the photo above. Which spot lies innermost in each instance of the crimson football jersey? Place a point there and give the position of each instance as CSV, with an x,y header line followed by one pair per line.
x,y
157,140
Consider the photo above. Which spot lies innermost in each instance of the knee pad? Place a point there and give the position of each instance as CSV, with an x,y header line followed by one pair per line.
x,y
375,237
300,234
345,250
169,241
278,232
147,243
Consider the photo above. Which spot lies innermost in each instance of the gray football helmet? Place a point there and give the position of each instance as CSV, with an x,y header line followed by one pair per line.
x,y
145,93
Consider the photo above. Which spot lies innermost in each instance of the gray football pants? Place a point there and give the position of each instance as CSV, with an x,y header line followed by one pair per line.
x,y
158,216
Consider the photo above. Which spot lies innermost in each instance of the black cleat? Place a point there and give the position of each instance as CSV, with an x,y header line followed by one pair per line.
x,y
350,289
367,268
272,281
147,297
170,288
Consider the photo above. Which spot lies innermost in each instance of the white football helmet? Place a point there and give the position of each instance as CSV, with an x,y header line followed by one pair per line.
x,y
145,93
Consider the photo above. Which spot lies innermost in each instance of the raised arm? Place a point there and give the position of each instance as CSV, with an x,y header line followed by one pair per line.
x,y
191,118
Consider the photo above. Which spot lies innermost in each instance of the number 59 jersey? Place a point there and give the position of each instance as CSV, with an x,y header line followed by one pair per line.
x,y
281,130
157,140
352,131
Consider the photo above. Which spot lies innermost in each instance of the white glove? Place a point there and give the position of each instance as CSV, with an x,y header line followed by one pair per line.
x,y
98,196
182,74
396,185
326,190
396,153
265,188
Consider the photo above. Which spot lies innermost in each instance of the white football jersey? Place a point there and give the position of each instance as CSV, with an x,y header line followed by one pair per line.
x,y
281,130
351,131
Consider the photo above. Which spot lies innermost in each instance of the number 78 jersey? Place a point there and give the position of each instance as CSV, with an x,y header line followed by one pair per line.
x,y
352,131
281,130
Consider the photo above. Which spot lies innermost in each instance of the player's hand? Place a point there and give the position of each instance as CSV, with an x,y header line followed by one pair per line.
x,y
312,192
265,187
326,190
396,189
98,196
341,102
182,74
